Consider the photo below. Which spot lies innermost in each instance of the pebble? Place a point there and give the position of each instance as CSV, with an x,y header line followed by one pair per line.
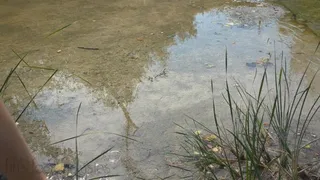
x,y
59,51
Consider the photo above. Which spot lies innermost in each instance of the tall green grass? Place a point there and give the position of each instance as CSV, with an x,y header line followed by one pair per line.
x,y
266,137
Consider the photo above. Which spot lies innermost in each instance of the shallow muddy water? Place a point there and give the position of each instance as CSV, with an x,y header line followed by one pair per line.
x,y
151,66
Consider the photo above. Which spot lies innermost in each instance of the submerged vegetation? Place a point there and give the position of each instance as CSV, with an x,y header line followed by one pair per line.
x,y
267,135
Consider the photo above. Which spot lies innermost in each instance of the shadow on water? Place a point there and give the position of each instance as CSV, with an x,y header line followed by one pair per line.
x,y
153,65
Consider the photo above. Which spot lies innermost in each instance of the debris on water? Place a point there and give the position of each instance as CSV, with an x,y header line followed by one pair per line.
x,y
65,165
263,60
313,135
161,32
210,137
59,167
88,48
229,24
171,36
134,56
307,146
140,38
298,134
255,64
59,51
217,149
260,5
150,78
162,73
115,151
198,132
17,123
209,66
252,64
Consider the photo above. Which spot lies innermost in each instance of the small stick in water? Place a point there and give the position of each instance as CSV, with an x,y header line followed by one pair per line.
x,y
88,48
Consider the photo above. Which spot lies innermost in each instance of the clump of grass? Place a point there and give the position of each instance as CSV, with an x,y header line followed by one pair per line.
x,y
265,139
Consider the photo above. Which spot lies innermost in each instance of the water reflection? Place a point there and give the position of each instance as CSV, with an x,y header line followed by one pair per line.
x,y
154,64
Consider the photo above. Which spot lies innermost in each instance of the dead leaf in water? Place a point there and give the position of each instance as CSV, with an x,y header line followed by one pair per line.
x,y
197,132
59,167
210,137
308,146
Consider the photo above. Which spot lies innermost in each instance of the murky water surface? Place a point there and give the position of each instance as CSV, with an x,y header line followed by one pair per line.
x,y
151,66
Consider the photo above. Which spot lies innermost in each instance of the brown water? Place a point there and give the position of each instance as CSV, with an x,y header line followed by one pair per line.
x,y
154,65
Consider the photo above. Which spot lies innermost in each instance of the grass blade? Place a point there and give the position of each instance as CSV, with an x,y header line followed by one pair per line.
x,y
76,141
93,160
21,58
25,88
58,30
31,100
43,68
106,176
317,47
86,134
81,78
226,60
178,167
6,81
12,71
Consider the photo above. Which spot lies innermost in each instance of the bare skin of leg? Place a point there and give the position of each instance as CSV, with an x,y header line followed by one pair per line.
x,y
16,160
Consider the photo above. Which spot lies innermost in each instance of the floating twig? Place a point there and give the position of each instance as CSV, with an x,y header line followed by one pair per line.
x,y
88,48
